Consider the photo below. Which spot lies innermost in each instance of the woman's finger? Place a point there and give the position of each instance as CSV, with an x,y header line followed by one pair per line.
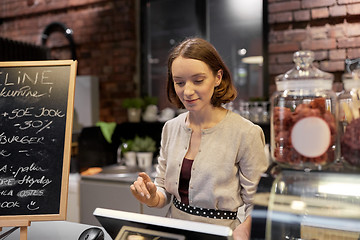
x,y
151,188
147,180
145,177
141,187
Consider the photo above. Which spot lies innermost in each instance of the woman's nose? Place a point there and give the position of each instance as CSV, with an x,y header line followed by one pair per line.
x,y
188,90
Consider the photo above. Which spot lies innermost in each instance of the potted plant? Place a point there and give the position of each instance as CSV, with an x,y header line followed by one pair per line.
x,y
150,101
144,148
133,106
126,149
150,109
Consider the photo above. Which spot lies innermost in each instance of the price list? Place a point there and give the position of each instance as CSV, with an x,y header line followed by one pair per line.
x,y
33,107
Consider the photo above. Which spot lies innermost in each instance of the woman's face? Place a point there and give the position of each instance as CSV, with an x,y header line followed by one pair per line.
x,y
194,83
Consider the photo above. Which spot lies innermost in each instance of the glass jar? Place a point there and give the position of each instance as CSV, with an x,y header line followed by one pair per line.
x,y
349,119
303,116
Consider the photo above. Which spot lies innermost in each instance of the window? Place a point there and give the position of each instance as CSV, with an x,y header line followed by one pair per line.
x,y
234,27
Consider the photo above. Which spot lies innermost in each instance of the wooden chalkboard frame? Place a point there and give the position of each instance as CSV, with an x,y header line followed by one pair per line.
x,y
72,65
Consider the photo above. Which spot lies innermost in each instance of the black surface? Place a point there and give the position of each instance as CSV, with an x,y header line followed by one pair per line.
x,y
94,150
33,105
266,129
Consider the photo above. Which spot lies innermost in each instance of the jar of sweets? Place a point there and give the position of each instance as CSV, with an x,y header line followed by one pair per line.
x,y
304,116
349,119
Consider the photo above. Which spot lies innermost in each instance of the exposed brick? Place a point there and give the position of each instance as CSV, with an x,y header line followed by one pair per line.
x,y
348,42
283,47
353,9
271,18
279,68
348,1
318,13
337,54
319,44
321,55
21,7
296,35
336,31
282,17
332,33
319,32
337,11
283,6
353,30
353,53
284,58
332,66
272,58
273,37
317,3
280,36
87,23
302,15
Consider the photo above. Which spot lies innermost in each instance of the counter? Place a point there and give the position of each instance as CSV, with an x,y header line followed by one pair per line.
x,y
111,189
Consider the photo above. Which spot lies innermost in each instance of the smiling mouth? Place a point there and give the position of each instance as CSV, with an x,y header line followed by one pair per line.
x,y
191,101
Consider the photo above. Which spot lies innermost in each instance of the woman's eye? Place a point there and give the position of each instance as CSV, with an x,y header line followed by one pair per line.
x,y
199,81
179,83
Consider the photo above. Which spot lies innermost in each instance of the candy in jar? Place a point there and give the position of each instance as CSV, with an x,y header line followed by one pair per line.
x,y
349,118
304,116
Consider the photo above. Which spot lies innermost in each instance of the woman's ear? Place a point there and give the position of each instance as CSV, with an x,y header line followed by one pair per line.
x,y
218,77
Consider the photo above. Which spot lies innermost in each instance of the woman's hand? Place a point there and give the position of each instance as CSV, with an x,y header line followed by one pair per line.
x,y
145,190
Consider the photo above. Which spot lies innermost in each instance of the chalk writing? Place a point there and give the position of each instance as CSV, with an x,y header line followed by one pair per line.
x,y
22,92
30,181
32,206
27,80
33,119
34,124
7,181
9,204
26,152
32,168
6,193
3,169
4,153
17,113
31,111
31,192
50,113
42,77
18,139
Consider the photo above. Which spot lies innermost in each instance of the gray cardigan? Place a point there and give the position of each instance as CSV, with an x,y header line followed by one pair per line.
x,y
225,171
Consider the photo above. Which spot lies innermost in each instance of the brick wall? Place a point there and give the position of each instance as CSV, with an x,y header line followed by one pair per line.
x,y
330,28
105,35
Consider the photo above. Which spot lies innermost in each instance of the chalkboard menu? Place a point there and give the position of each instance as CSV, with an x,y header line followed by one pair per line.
x,y
36,110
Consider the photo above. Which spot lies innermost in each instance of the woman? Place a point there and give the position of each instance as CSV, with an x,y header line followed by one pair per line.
x,y
210,157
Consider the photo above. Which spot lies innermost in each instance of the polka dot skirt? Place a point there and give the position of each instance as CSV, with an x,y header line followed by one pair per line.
x,y
204,212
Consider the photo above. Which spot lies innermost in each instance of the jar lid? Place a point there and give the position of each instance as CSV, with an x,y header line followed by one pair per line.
x,y
351,80
304,75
